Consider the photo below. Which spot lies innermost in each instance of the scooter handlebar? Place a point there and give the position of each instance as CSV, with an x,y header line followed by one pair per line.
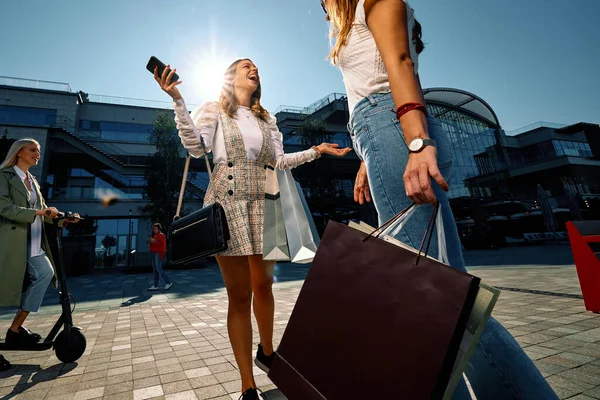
x,y
62,215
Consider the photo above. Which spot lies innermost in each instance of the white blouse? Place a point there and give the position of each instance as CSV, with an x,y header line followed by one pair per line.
x,y
204,122
360,61
36,226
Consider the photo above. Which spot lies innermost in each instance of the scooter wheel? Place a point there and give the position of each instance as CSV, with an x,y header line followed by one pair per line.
x,y
70,351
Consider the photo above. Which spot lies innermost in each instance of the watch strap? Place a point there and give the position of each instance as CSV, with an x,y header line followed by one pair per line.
x,y
426,142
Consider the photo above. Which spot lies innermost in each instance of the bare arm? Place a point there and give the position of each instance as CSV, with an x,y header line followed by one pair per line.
x,y
386,20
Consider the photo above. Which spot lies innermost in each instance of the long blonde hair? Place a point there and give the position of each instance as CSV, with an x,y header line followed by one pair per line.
x,y
341,14
11,158
229,103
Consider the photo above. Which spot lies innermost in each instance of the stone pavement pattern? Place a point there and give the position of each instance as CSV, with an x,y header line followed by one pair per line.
x,y
174,345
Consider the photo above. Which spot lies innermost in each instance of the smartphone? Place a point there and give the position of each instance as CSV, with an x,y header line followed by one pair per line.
x,y
155,62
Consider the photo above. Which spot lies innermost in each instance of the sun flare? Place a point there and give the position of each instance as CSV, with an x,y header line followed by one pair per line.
x,y
207,71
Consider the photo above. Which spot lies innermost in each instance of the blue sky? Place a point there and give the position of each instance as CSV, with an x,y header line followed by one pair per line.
x,y
532,60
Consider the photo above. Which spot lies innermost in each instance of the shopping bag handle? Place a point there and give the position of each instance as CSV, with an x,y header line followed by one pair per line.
x,y
428,231
377,232
425,242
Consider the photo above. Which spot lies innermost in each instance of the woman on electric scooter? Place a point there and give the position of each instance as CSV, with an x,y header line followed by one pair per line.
x,y
26,265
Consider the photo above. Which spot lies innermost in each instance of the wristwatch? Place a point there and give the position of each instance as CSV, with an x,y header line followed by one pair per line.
x,y
418,144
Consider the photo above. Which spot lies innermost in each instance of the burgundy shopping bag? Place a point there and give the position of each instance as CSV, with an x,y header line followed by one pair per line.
x,y
373,321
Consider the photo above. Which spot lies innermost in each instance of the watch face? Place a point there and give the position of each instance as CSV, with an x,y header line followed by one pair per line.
x,y
416,144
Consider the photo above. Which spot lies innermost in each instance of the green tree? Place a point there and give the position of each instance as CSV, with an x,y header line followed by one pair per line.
x,y
108,242
314,132
163,175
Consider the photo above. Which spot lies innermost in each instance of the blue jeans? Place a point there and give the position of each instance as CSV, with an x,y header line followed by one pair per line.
x,y
40,273
499,368
158,271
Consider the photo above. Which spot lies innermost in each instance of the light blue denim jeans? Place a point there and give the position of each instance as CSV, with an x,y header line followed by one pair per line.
x,y
499,368
158,270
40,273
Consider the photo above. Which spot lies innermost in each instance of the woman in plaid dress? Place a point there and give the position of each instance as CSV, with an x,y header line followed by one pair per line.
x,y
245,141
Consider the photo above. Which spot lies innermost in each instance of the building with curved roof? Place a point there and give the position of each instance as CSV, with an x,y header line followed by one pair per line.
x,y
472,126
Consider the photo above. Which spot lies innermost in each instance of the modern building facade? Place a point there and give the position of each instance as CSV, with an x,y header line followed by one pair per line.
x,y
96,147
563,159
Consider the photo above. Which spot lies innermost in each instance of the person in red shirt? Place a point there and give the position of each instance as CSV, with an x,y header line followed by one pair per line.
x,y
158,248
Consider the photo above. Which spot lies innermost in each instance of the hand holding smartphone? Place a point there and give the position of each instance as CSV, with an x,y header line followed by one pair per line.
x,y
166,78
155,62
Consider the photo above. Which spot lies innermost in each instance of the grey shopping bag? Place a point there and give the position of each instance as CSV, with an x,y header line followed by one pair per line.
x,y
275,247
300,237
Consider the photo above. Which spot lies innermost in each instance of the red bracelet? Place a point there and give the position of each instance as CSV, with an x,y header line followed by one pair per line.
x,y
403,109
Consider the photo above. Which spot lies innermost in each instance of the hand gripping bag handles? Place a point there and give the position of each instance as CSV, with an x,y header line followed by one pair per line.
x,y
200,234
374,321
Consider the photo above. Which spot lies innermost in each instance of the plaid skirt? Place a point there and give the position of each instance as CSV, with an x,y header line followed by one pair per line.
x,y
240,190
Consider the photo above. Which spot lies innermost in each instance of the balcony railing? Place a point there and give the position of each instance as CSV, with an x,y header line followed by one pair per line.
x,y
535,125
314,107
128,101
35,84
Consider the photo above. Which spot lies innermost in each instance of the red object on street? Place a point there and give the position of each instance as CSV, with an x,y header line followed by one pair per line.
x,y
160,245
585,244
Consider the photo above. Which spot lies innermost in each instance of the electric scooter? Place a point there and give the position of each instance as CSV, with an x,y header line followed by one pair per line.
x,y
69,345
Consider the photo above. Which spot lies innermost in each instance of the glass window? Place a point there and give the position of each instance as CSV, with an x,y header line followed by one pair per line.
x,y
122,249
109,126
107,226
118,230
79,172
74,192
87,192
27,115
124,226
342,138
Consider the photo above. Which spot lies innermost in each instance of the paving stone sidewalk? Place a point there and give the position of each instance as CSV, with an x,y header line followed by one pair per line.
x,y
174,345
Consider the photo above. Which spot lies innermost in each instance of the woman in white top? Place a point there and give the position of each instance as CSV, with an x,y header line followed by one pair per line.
x,y
376,46
24,250
244,140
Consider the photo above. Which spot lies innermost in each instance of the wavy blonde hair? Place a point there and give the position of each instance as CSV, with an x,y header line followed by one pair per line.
x,y
341,15
229,103
11,157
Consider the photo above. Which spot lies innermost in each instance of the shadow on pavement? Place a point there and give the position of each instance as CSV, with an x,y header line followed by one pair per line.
x,y
111,290
34,373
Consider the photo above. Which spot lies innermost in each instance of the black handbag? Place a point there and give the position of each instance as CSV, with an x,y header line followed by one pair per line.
x,y
200,234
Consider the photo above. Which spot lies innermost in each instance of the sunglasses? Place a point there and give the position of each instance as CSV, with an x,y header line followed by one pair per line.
x,y
323,6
